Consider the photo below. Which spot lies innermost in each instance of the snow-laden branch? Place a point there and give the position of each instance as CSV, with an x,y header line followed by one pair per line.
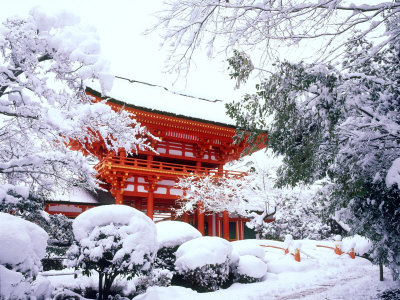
x,y
45,61
268,26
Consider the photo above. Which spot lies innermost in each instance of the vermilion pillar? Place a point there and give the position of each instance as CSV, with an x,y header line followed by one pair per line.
x,y
118,197
150,204
225,225
200,217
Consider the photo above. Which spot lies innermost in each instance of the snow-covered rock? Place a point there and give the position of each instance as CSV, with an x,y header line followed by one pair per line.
x,y
22,244
251,266
175,233
203,251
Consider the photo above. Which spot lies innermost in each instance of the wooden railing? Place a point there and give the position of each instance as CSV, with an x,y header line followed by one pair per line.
x,y
127,164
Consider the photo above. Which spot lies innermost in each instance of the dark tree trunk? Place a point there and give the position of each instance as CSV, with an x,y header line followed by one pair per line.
x,y
380,271
100,286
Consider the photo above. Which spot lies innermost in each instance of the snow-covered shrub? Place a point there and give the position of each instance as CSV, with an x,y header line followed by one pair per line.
x,y
250,269
22,246
13,285
203,263
157,277
170,235
241,266
113,240
59,229
245,247
42,288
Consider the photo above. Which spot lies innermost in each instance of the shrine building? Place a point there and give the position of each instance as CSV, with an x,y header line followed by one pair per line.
x,y
195,137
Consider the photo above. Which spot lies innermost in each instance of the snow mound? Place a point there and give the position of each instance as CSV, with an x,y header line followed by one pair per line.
x,y
252,266
167,293
23,244
287,263
136,229
175,233
245,247
202,251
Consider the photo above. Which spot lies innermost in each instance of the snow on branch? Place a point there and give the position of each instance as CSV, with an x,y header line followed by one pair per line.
x,y
45,61
267,26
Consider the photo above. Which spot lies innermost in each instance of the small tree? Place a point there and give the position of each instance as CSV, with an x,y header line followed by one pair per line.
x,y
113,240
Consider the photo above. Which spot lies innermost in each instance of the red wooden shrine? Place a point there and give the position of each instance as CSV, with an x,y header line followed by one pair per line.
x,y
147,180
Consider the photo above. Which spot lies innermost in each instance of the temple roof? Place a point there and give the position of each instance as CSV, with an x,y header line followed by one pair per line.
x,y
160,100
80,195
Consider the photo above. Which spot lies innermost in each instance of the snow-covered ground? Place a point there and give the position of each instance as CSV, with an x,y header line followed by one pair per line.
x,y
320,275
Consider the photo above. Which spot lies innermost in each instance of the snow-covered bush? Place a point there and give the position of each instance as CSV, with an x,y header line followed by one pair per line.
x,y
250,264
170,235
157,277
250,269
59,229
203,263
246,247
113,240
22,246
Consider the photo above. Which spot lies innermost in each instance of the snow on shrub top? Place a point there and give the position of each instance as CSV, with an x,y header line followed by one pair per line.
x,y
248,248
137,230
252,266
84,224
202,251
22,244
175,233
360,244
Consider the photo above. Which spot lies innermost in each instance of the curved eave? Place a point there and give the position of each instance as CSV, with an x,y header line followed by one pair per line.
x,y
122,103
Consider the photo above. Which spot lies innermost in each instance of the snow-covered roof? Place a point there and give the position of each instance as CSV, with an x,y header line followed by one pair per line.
x,y
159,99
80,195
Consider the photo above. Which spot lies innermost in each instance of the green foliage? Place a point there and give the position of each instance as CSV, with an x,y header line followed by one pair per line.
x,y
240,66
206,278
166,258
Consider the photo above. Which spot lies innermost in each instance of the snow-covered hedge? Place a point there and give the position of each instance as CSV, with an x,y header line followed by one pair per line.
x,y
250,264
245,247
22,246
250,269
203,263
170,235
174,233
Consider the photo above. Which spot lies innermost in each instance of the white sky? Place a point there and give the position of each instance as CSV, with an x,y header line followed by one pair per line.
x,y
120,24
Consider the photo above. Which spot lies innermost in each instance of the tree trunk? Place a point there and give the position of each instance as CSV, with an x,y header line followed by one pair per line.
x,y
108,280
100,286
380,271
106,289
